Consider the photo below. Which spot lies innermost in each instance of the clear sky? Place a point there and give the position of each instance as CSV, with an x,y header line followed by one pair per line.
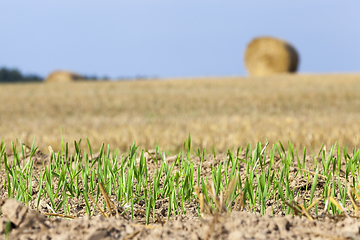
x,y
173,38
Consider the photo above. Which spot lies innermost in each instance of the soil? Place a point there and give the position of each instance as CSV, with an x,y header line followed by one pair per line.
x,y
24,222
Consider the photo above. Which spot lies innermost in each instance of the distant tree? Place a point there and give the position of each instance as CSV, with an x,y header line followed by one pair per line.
x,y
14,75
33,78
90,77
10,75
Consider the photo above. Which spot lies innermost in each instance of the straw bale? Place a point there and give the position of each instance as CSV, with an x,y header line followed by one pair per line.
x,y
267,56
63,76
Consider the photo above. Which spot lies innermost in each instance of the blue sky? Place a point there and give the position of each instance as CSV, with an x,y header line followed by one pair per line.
x,y
168,38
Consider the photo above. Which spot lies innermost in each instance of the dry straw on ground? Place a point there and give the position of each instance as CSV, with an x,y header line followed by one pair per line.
x,y
223,112
63,76
267,56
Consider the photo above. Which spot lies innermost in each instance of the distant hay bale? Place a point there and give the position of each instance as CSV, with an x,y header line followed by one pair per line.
x,y
63,76
267,56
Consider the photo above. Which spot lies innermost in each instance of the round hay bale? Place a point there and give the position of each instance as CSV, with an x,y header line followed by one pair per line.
x,y
267,56
63,76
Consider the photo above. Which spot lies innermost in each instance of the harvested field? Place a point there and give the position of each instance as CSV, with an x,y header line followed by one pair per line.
x,y
240,190
222,112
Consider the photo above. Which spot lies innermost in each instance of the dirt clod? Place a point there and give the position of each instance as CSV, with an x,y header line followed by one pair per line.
x,y
14,211
237,225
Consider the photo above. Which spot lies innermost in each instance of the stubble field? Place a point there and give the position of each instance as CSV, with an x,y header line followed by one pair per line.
x,y
222,112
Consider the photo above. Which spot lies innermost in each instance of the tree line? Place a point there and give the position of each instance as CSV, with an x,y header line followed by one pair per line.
x,y
8,75
14,75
